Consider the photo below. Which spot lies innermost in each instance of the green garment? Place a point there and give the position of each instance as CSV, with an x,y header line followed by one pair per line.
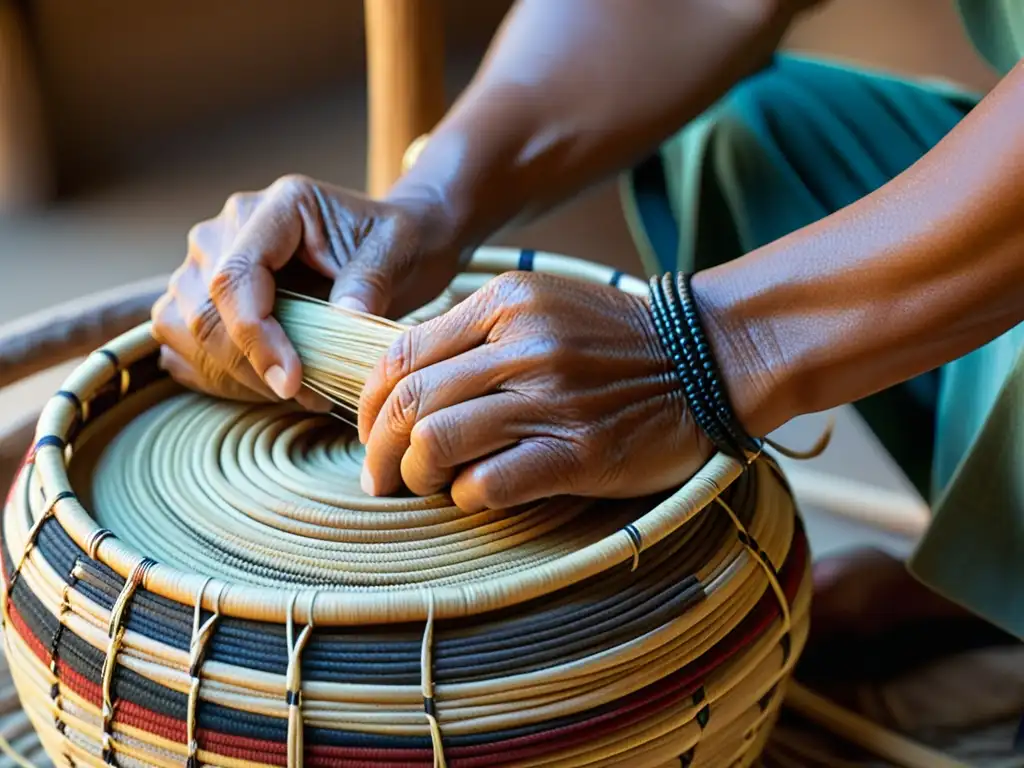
x,y
788,146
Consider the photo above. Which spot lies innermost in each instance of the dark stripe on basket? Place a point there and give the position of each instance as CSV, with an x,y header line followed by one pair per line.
x,y
50,441
686,759
335,656
526,257
72,398
88,661
749,541
767,698
634,534
616,278
141,374
110,356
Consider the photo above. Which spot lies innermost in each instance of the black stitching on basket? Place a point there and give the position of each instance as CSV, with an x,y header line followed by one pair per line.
x,y
703,716
765,700
634,534
50,441
293,698
617,276
73,399
111,357
429,707
526,259
751,543
686,759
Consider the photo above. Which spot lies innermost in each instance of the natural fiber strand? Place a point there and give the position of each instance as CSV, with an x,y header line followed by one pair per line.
x,y
338,347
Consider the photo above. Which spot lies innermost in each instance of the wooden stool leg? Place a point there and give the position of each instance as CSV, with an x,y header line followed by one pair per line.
x,y
405,67
24,160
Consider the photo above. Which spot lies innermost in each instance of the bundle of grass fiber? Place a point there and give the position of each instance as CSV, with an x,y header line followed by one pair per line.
x,y
196,582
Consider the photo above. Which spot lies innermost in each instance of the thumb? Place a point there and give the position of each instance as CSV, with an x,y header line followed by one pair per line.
x,y
367,282
362,286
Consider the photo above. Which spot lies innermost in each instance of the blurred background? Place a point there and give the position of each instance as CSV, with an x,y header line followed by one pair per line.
x,y
123,123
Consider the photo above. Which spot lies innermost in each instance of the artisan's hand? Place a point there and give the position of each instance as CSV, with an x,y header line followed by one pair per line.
x,y
215,322
534,386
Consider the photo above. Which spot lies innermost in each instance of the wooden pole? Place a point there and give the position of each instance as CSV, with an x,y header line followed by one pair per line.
x,y
405,74
25,169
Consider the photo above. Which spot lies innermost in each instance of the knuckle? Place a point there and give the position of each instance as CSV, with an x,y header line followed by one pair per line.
x,y
232,274
235,201
405,402
162,316
518,286
290,186
433,438
200,237
204,323
398,362
178,276
492,486
247,336
195,234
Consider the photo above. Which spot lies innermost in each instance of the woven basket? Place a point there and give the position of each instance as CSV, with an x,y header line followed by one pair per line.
x,y
196,582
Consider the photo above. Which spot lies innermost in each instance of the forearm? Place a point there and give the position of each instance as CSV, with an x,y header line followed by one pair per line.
x,y
575,90
925,270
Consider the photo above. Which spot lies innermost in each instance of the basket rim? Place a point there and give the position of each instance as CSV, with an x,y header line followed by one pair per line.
x,y
345,607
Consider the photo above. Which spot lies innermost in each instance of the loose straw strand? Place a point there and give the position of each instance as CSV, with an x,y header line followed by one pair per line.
x,y
201,632
30,541
338,347
814,451
766,564
293,680
115,634
427,684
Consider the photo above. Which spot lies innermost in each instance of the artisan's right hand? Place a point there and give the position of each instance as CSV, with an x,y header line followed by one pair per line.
x,y
215,323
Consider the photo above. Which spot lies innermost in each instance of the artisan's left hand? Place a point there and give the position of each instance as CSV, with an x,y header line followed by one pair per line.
x,y
535,386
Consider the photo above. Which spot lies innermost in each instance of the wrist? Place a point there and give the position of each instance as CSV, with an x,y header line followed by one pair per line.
x,y
753,366
445,186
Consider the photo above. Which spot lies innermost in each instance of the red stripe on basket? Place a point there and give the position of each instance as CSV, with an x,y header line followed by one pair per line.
x,y
9,499
643,704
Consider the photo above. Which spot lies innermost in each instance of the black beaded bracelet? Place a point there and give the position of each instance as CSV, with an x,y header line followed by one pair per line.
x,y
709,368
681,333
697,396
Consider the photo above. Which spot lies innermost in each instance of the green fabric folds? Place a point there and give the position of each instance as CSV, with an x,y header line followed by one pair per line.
x,y
786,147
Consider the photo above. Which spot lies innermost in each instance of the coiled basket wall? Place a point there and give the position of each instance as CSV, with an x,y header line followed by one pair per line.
x,y
196,582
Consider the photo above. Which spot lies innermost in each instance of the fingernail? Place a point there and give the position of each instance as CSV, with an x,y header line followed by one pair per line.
x,y
350,303
366,482
276,380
